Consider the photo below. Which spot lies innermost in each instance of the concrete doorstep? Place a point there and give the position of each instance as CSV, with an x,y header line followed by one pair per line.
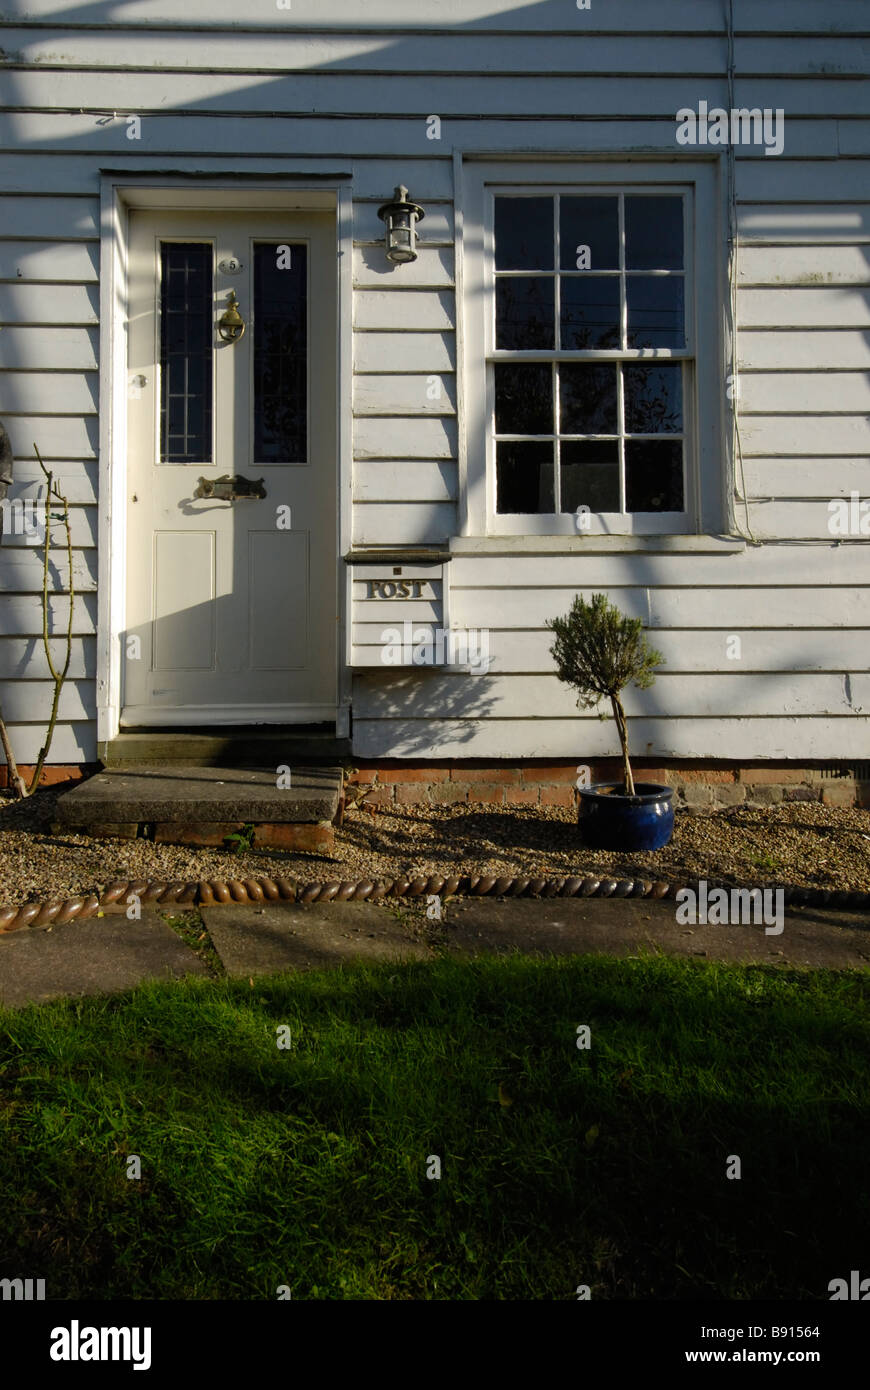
x,y
204,805
109,954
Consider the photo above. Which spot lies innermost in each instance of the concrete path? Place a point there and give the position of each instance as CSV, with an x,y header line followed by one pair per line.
x,y
263,940
98,955
619,927
104,955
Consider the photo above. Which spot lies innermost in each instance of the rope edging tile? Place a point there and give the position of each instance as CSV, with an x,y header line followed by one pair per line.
x,y
214,892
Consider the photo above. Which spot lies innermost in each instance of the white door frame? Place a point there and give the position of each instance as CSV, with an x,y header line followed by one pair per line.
x,y
120,192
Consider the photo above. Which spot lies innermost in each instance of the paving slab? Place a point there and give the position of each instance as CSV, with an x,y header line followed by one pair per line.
x,y
97,955
103,955
211,794
296,936
618,927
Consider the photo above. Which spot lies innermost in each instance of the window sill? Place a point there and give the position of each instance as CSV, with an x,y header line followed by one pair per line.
x,y
589,544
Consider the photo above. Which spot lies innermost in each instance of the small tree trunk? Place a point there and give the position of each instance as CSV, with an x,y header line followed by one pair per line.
x,y
15,780
619,716
58,676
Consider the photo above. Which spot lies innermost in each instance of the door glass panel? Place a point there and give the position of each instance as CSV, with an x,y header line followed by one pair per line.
x,y
186,337
280,353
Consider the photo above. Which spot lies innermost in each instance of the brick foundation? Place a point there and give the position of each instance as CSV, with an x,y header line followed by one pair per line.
x,y
536,782
550,782
51,776
302,836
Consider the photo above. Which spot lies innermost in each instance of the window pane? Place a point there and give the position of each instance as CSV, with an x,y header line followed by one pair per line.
x,y
654,233
524,476
280,354
524,234
587,398
653,475
589,311
525,312
590,475
653,398
186,335
524,399
592,222
655,311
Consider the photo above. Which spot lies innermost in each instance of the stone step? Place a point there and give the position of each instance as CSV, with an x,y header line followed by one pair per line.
x,y
202,805
267,747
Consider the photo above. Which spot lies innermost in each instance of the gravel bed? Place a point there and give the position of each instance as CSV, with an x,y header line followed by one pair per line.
x,y
803,844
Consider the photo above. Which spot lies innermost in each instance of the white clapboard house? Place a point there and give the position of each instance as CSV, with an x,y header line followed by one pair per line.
x,y
622,345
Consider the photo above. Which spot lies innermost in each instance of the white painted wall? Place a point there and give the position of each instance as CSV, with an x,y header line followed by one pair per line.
x,y
253,91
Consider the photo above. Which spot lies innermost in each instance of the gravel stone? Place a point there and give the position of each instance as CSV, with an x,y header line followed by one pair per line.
x,y
799,843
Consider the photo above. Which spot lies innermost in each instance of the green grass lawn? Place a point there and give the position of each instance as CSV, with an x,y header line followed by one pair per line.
x,y
307,1167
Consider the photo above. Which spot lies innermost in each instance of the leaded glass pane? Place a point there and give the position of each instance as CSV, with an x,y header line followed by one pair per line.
x,y
280,353
186,337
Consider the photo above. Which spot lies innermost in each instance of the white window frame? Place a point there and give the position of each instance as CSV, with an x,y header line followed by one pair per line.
x,y
707,455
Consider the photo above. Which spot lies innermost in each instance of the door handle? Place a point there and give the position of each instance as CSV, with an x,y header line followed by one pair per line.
x,y
230,489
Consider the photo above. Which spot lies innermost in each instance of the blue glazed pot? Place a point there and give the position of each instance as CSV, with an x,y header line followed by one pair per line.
x,y
609,820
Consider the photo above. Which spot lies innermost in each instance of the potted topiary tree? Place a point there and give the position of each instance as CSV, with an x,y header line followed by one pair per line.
x,y
599,651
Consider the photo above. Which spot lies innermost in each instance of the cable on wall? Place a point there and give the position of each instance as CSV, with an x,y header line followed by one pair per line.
x,y
736,447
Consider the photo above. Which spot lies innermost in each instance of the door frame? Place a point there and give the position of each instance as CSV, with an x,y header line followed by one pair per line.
x,y
121,192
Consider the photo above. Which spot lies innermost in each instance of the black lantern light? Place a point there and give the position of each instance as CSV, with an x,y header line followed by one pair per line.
x,y
401,218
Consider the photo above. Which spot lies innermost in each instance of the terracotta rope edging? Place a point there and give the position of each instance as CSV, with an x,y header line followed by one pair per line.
x,y
214,892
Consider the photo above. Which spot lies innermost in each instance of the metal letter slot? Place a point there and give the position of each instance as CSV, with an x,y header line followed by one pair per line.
x,y
230,489
231,325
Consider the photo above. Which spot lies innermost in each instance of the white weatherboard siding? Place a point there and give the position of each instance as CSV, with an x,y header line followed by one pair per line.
x,y
222,90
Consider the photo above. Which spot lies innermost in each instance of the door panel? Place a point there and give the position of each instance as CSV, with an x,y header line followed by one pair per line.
x,y
278,636
184,564
234,601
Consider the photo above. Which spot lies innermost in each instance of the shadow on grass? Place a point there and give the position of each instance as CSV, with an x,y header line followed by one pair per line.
x,y
308,1165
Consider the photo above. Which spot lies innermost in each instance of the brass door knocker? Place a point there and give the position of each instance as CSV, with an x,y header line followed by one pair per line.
x,y
231,325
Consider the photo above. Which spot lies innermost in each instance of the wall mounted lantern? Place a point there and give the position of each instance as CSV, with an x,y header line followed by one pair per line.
x,y
401,218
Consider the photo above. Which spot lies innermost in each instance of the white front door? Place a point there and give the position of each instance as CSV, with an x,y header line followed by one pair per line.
x,y
231,601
